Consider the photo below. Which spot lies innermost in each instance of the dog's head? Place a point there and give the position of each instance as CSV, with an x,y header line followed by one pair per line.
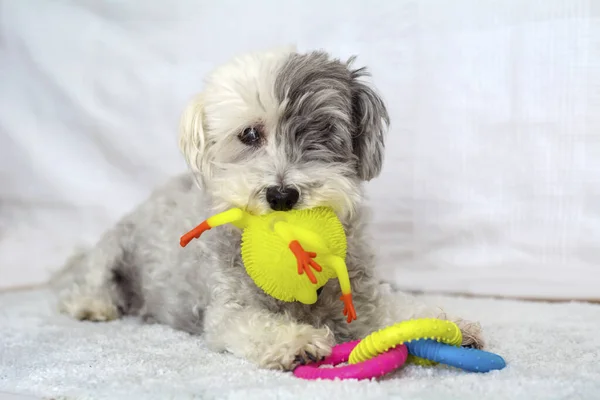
x,y
280,130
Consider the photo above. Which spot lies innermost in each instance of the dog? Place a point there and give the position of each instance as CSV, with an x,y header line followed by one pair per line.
x,y
275,129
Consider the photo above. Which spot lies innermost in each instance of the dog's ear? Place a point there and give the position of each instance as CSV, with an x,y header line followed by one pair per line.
x,y
371,121
192,139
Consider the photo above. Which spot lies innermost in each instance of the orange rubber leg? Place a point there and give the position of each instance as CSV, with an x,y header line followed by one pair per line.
x,y
305,261
349,310
194,233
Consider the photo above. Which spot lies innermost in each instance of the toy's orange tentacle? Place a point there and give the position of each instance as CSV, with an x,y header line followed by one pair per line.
x,y
341,271
349,310
194,233
313,263
305,261
234,215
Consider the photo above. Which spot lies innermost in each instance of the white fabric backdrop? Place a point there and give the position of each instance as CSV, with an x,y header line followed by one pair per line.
x,y
492,178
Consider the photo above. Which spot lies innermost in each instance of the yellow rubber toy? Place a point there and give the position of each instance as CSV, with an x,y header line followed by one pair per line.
x,y
289,254
427,328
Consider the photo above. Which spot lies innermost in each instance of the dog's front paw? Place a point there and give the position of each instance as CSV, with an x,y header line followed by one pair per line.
x,y
297,345
472,336
97,308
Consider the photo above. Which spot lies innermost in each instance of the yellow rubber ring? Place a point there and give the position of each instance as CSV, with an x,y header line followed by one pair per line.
x,y
427,328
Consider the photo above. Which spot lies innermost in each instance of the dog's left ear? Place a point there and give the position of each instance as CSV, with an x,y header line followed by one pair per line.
x,y
371,121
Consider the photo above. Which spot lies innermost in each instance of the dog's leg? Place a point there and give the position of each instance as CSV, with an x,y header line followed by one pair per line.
x,y
272,341
87,285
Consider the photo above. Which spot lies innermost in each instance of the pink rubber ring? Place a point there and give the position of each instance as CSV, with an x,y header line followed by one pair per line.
x,y
369,369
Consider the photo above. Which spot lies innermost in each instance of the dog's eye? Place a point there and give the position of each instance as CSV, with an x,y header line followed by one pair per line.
x,y
251,136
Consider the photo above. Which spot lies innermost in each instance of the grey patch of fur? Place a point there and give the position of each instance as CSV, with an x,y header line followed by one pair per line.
x,y
330,114
328,141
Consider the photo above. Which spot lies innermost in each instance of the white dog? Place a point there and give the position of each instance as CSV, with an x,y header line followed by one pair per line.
x,y
271,130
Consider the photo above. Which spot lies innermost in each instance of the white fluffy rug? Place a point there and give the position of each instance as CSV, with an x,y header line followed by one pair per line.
x,y
552,352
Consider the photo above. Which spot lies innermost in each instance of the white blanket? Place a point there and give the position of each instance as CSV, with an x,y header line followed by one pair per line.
x,y
551,349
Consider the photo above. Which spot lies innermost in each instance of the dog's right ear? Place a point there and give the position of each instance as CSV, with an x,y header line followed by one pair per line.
x,y
192,135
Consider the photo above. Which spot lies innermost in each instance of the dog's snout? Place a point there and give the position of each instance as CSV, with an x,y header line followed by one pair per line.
x,y
282,199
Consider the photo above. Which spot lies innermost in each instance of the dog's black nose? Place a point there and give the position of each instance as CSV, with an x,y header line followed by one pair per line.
x,y
282,199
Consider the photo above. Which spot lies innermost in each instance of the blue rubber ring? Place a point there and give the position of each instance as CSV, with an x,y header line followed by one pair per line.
x,y
471,360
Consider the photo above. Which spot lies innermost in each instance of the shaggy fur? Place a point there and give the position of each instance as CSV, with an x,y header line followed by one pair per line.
x,y
315,127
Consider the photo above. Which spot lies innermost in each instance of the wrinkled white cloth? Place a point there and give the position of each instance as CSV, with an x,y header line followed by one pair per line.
x,y
491,178
551,350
